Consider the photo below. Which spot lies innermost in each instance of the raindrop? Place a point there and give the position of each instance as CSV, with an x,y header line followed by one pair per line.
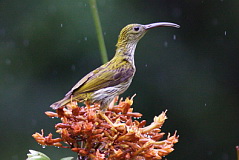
x,y
85,38
8,61
61,25
146,65
104,33
225,33
52,117
205,104
174,37
165,44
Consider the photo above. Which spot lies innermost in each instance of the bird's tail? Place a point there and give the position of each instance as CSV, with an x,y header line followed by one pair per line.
x,y
60,103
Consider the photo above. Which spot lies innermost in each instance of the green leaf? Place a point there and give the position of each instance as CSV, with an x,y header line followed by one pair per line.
x,y
35,155
67,158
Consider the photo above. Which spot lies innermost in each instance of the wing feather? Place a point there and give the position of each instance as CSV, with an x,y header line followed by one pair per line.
x,y
104,76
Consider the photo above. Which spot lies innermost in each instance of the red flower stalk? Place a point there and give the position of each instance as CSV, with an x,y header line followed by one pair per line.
x,y
84,131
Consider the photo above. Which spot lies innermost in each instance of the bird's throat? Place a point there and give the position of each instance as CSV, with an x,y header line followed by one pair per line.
x,y
126,52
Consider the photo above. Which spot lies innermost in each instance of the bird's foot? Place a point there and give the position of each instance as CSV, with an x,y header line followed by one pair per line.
x,y
115,125
87,105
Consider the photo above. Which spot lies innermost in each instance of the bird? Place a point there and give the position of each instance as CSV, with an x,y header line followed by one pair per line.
x,y
113,78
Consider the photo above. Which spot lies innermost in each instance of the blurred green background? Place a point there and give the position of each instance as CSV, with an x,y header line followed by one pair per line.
x,y
193,72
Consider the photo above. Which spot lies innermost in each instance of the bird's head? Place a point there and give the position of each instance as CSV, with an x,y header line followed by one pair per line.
x,y
132,33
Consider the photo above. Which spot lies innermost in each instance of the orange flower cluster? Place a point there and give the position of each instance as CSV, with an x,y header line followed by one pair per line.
x,y
92,137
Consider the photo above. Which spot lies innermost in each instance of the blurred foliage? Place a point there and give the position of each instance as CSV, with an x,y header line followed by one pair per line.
x,y
35,155
47,46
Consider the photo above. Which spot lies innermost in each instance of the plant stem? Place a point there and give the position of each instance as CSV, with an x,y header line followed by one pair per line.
x,y
99,33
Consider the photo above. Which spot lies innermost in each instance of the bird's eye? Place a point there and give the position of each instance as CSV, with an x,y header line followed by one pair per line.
x,y
136,28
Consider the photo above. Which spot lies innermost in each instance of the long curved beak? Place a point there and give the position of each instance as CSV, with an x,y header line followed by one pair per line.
x,y
160,24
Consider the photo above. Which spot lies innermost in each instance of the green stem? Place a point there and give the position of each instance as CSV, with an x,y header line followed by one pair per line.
x,y
99,33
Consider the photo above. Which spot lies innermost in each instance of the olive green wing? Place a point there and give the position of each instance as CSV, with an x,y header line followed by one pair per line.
x,y
105,76
80,83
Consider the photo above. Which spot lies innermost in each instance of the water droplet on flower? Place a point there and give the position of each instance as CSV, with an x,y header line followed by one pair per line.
x,y
43,146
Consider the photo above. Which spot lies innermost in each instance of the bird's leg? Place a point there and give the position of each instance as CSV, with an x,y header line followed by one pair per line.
x,y
113,125
102,114
72,104
72,99
111,105
87,103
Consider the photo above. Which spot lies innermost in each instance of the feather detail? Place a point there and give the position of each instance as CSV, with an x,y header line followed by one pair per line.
x,y
60,103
